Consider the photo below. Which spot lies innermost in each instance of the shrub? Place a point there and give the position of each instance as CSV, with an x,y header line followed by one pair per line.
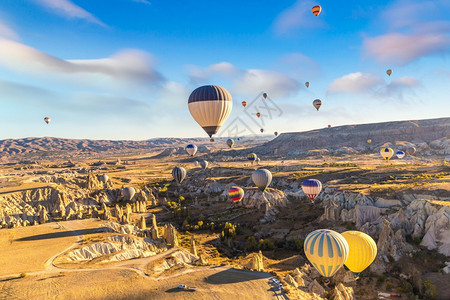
x,y
23,275
430,290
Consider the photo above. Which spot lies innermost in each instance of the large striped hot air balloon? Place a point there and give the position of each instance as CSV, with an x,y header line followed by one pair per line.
x,y
236,193
262,178
252,157
362,251
400,154
47,120
326,250
316,10
317,103
128,193
230,143
311,188
179,173
204,164
210,106
191,149
387,153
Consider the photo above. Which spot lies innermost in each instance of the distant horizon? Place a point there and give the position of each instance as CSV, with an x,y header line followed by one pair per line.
x,y
206,138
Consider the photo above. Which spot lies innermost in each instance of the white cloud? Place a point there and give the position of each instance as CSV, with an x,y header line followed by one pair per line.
x,y
415,29
126,65
7,32
400,49
142,1
199,75
356,83
68,9
297,16
275,84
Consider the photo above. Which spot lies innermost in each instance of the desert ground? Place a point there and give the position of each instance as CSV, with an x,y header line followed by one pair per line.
x,y
67,233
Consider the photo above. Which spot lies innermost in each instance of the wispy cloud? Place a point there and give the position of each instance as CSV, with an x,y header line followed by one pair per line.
x,y
142,1
126,65
355,83
298,65
415,29
68,9
296,17
276,84
7,32
199,75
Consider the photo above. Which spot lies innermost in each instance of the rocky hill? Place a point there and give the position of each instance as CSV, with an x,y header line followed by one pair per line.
x,y
430,135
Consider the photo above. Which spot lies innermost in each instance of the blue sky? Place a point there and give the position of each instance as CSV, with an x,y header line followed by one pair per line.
x,y
123,69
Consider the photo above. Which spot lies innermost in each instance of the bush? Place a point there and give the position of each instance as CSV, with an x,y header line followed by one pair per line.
x,y
23,275
430,290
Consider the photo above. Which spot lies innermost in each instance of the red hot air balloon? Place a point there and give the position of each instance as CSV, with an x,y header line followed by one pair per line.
x,y
316,10
244,103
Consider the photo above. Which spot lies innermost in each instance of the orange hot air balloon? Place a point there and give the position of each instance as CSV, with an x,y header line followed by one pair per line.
x,y
389,72
258,115
244,103
316,10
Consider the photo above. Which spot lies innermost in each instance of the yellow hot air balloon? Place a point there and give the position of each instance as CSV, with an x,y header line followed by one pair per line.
x,y
387,153
369,141
326,250
362,250
389,72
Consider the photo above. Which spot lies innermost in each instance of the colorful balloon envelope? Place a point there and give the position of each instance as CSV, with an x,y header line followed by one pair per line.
x,y
307,84
258,114
329,126
317,103
362,251
389,72
400,154
275,133
252,157
369,141
387,153
230,143
265,95
244,103
326,250
210,106
316,10
179,173
312,188
191,149
262,178
47,120
236,194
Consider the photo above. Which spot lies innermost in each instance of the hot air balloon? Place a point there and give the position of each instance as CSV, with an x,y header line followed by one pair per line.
x,y
264,95
369,141
258,114
210,106
128,193
311,188
410,150
204,164
400,154
262,178
236,194
326,250
179,173
387,153
47,120
389,72
196,163
329,126
244,103
317,103
316,10
307,84
276,133
262,130
362,251
191,149
230,143
103,178
252,157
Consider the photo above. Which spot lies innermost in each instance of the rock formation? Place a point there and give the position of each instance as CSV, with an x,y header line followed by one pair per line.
x,y
256,263
170,235
193,247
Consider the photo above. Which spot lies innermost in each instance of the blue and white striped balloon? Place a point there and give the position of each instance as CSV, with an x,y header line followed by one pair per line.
x,y
312,188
